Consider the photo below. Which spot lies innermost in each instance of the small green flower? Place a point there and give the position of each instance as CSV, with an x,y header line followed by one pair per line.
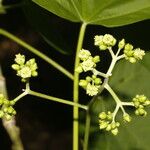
x,y
6,109
92,89
25,72
25,69
121,44
127,118
138,54
88,64
98,40
104,41
84,54
20,59
109,40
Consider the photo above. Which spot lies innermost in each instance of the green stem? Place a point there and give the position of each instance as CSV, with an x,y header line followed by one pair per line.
x,y
21,96
59,100
113,94
115,97
87,130
76,89
36,52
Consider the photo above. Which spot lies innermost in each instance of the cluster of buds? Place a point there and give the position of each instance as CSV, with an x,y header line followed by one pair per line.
x,y
140,102
91,84
87,61
25,69
132,55
6,108
104,41
106,122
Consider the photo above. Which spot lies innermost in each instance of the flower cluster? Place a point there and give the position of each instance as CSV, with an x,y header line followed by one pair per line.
x,y
6,108
132,55
106,122
88,62
25,69
91,84
140,102
104,42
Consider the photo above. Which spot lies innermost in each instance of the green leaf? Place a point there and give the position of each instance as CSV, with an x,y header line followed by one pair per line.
x,y
131,79
99,12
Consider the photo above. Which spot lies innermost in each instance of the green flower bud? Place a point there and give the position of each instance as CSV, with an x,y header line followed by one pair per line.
x,y
109,115
102,115
117,124
128,47
103,47
10,110
83,83
108,128
137,112
103,125
142,112
132,60
94,76
114,131
34,73
15,67
31,62
121,44
136,104
142,98
147,103
127,118
79,69
20,59
96,59
128,53
98,81
113,125
88,79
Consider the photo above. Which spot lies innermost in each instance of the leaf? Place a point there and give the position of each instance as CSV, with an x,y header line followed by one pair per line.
x,y
131,79
99,12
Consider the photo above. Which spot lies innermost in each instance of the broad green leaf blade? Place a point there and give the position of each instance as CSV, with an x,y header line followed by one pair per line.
x,y
131,79
99,12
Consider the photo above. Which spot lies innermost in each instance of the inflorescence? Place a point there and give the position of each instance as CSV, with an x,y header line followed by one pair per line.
x,y
92,84
6,108
25,69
